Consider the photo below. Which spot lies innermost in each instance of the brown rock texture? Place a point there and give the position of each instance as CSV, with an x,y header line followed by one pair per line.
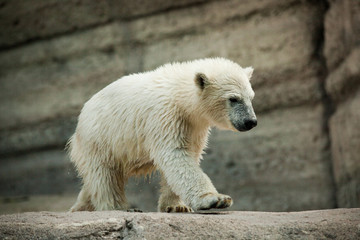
x,y
326,224
342,30
342,52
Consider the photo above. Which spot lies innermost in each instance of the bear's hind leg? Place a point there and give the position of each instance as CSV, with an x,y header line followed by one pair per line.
x,y
169,201
107,188
83,202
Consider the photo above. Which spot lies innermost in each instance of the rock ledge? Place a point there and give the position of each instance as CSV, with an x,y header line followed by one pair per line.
x,y
320,224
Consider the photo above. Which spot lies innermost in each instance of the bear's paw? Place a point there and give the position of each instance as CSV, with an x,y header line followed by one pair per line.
x,y
178,208
214,200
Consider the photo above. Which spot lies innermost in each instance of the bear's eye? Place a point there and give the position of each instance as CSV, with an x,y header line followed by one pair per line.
x,y
233,100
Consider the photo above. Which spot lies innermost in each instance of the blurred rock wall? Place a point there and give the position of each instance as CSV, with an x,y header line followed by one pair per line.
x,y
304,154
342,55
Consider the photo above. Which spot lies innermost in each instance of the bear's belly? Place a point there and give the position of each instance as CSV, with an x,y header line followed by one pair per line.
x,y
142,169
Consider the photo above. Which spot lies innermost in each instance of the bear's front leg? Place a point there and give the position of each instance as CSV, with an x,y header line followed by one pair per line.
x,y
186,179
169,201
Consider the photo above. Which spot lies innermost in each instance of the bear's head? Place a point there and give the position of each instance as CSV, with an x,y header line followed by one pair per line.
x,y
226,95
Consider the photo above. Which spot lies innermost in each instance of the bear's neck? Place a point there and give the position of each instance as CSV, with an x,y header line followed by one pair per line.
x,y
183,94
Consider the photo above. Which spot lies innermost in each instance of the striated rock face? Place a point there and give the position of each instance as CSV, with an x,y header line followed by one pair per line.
x,y
35,20
342,52
326,224
304,153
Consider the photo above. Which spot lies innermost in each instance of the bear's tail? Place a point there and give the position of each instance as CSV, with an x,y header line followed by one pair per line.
x,y
68,144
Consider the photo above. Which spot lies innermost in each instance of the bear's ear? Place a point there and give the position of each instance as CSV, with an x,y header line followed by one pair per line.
x,y
201,80
249,71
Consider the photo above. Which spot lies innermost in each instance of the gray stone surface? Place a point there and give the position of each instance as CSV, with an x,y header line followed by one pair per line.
x,y
54,89
32,20
329,224
342,30
36,203
342,52
345,137
343,82
46,134
41,172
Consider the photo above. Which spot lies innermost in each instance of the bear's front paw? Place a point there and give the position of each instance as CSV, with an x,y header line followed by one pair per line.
x,y
178,208
214,200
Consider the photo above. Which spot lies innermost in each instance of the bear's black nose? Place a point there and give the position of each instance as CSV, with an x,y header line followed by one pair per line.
x,y
250,123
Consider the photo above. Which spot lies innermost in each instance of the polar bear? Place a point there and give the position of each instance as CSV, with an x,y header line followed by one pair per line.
x,y
159,120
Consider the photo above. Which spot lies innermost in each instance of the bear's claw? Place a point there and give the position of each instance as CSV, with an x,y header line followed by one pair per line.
x,y
134,210
179,208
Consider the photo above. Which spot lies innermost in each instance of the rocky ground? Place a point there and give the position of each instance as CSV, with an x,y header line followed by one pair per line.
x,y
320,224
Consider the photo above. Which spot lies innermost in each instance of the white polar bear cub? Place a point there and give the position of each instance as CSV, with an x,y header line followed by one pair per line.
x,y
159,120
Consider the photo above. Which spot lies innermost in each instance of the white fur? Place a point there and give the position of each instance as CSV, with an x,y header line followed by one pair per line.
x,y
155,120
